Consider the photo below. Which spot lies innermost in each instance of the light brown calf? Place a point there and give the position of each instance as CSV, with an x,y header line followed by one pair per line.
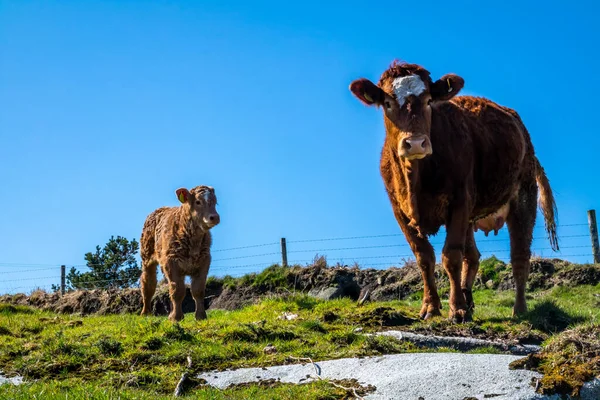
x,y
179,239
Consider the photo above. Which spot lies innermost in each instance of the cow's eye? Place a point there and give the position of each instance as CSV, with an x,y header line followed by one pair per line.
x,y
198,202
429,102
388,105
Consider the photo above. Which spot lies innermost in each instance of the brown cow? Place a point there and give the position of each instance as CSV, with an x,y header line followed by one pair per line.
x,y
463,162
179,239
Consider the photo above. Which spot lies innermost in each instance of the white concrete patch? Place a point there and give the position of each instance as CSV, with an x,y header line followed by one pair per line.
x,y
407,85
17,380
431,376
459,343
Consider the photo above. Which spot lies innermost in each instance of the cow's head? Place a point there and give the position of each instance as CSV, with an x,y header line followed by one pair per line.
x,y
202,202
406,93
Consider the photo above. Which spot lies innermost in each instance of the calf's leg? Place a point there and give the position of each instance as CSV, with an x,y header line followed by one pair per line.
x,y
469,268
198,291
520,222
148,285
176,291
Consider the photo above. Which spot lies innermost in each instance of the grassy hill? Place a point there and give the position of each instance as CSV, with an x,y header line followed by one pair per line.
x,y
117,353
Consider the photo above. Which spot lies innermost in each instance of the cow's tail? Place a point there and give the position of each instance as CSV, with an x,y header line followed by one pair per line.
x,y
547,204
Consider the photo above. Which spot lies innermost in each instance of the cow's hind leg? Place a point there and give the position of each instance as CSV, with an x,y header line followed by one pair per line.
x,y
470,268
520,222
453,255
148,285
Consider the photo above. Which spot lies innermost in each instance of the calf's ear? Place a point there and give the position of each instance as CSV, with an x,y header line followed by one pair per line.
x,y
183,195
446,87
367,92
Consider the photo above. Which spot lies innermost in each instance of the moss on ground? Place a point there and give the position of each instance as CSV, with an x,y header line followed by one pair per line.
x,y
568,360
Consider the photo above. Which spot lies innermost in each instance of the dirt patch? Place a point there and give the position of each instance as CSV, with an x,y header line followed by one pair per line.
x,y
354,386
522,336
383,317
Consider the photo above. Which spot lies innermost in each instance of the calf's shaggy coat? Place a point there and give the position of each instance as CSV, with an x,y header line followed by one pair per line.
x,y
179,239
463,162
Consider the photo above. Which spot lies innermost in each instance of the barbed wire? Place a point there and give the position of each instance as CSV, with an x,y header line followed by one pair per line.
x,y
295,247
20,271
245,247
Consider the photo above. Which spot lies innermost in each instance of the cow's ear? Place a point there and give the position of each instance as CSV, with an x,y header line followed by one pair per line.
x,y
446,87
367,92
183,195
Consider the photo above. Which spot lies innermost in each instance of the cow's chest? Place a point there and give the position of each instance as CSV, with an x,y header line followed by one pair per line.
x,y
432,209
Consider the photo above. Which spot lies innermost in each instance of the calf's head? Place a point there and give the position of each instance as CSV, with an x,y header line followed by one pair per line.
x,y
406,93
202,203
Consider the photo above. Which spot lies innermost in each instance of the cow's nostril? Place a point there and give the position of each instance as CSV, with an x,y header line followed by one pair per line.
x,y
407,145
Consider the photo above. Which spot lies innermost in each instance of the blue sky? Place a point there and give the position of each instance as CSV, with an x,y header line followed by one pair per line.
x,y
106,108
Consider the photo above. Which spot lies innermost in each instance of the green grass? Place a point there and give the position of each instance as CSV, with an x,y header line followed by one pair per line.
x,y
142,357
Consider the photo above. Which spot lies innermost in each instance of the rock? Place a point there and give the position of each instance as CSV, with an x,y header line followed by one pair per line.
x,y
288,316
342,284
270,349
489,284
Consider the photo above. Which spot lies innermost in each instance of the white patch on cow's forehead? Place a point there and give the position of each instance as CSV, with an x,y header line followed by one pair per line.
x,y
207,195
404,86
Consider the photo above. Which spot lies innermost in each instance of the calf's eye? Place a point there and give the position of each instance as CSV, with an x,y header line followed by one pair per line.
x,y
198,202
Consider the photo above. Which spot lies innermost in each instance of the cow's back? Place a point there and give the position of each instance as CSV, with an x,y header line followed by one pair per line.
x,y
502,152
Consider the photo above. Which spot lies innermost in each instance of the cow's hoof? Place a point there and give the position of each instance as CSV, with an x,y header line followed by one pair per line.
x,y
461,316
430,314
519,311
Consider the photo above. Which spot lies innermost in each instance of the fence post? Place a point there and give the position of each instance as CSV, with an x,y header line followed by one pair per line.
x,y
62,279
283,253
594,235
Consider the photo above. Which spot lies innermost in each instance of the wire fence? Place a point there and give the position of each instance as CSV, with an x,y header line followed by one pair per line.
x,y
369,251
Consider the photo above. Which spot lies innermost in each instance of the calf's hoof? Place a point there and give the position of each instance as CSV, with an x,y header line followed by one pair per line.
x,y
201,315
175,317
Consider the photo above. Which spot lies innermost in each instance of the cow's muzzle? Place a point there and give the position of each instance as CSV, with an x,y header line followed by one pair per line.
x,y
415,147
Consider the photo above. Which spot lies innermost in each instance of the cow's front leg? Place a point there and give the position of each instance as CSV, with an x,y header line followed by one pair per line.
x,y
199,287
452,260
425,257
426,260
